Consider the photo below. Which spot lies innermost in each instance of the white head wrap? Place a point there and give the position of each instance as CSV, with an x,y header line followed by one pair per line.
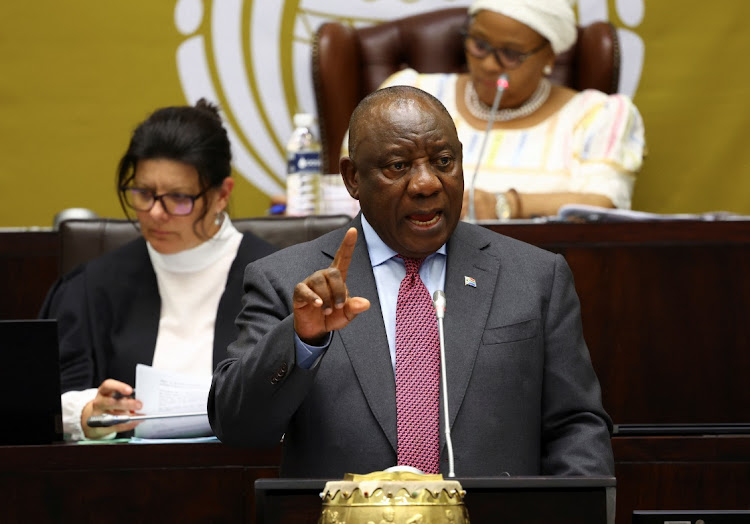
x,y
553,19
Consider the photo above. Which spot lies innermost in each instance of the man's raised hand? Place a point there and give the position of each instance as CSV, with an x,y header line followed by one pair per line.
x,y
322,303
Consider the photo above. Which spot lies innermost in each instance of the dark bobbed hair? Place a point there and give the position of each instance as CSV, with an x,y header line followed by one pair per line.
x,y
193,135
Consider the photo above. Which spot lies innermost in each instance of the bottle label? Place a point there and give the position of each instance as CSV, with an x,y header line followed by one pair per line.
x,y
302,194
305,162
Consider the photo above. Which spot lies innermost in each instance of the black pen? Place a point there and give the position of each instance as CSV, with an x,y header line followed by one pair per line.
x,y
117,395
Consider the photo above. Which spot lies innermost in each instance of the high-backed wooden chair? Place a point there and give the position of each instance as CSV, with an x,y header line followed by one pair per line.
x,y
350,63
82,240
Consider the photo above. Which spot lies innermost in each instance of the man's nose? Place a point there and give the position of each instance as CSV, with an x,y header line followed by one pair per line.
x,y
424,180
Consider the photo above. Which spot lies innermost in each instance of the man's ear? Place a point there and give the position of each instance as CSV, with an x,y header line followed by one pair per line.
x,y
350,175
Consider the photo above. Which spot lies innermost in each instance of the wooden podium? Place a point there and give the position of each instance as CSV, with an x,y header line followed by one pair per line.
x,y
520,500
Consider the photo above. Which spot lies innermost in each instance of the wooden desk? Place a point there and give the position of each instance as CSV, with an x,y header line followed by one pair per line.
x,y
131,483
681,472
664,307
28,267
519,500
665,310
214,483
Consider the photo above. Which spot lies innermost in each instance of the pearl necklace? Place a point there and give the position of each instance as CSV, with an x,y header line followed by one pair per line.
x,y
480,110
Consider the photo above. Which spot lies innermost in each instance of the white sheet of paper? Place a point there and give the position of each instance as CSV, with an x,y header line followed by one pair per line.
x,y
193,440
166,392
605,214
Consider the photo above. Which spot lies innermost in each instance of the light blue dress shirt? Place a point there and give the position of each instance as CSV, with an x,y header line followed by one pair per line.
x,y
389,271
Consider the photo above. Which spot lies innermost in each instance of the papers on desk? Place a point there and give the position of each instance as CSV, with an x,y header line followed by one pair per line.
x,y
584,213
165,392
196,440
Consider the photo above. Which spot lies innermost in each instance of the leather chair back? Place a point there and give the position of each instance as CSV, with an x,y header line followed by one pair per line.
x,y
82,240
350,63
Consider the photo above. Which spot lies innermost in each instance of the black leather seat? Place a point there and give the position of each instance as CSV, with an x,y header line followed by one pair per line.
x,y
82,240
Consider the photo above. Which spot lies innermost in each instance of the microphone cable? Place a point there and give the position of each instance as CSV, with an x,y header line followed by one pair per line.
x,y
502,84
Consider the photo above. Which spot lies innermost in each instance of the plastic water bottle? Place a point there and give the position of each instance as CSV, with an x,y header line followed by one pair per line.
x,y
303,168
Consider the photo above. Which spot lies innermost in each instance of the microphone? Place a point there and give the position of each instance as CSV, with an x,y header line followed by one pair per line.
x,y
106,420
438,300
502,84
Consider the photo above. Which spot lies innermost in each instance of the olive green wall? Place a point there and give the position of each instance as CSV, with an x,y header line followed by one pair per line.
x,y
77,76
694,96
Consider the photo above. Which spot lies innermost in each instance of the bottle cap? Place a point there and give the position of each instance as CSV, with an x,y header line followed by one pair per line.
x,y
304,120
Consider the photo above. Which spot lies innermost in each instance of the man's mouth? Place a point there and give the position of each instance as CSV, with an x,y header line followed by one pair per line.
x,y
425,219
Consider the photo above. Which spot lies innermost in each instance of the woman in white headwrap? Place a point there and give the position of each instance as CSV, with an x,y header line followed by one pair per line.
x,y
549,145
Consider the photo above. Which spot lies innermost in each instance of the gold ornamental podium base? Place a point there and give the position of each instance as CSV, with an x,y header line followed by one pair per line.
x,y
400,497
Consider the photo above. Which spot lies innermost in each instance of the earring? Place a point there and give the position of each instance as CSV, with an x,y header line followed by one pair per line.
x,y
219,218
547,69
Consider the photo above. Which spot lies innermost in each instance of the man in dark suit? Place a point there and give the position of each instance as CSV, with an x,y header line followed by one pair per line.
x,y
317,352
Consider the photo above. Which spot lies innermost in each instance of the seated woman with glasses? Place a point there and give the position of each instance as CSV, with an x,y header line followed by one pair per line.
x,y
548,145
168,299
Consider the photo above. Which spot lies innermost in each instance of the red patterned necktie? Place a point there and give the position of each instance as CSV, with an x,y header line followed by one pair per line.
x,y
417,373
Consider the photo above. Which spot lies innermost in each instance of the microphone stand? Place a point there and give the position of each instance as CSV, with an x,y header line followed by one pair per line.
x,y
502,84
439,303
106,420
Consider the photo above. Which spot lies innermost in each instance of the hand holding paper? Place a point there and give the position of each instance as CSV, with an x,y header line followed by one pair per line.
x,y
176,394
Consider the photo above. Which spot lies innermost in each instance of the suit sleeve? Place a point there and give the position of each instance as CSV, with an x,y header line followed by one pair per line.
x,y
255,392
67,303
576,429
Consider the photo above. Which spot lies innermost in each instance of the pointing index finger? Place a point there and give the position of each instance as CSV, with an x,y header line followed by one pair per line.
x,y
344,252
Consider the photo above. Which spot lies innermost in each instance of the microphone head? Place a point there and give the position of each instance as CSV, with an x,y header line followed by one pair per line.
x,y
438,300
105,420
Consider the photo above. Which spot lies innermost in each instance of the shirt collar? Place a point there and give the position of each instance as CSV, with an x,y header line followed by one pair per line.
x,y
380,251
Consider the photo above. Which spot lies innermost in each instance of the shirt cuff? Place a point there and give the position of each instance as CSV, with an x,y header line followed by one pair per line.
x,y
73,403
307,355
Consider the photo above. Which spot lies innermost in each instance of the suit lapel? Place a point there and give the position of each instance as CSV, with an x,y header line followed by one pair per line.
x,y
366,343
467,309
140,308
225,331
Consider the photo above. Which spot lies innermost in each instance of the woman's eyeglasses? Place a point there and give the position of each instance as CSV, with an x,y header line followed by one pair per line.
x,y
176,204
507,58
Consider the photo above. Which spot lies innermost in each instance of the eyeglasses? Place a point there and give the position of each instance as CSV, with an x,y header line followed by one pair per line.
x,y
507,58
176,204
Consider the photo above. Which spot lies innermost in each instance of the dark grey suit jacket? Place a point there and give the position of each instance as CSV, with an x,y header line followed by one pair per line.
x,y
523,396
